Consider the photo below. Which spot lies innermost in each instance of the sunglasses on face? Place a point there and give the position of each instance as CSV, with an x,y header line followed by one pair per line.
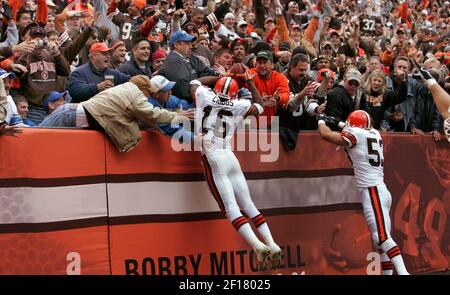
x,y
353,83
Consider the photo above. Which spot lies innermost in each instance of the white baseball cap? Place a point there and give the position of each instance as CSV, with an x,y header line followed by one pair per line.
x,y
160,83
229,15
50,3
241,22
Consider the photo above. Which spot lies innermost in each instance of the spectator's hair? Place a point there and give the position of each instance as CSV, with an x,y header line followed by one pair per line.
x,y
368,85
300,57
370,50
261,46
299,49
51,33
238,41
223,41
193,27
142,82
249,60
139,40
196,11
402,58
219,52
23,31
19,98
103,32
426,47
22,11
51,14
375,57
438,71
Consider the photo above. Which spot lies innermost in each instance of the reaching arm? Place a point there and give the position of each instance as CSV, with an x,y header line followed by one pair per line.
x,y
331,136
258,105
440,96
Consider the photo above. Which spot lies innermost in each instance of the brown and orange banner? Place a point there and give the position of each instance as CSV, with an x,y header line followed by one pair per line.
x,y
71,204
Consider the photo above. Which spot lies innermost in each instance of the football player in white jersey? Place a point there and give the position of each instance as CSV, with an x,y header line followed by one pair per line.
x,y
364,147
217,114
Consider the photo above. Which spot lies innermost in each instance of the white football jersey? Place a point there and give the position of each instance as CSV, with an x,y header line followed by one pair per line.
x,y
217,119
366,153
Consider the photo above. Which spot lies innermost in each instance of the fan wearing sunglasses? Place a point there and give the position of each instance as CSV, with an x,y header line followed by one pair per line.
x,y
345,97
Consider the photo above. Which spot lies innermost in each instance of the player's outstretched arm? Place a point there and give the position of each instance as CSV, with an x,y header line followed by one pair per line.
x,y
441,99
440,96
331,136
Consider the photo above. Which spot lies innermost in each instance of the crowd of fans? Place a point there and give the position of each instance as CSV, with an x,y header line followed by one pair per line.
x,y
309,56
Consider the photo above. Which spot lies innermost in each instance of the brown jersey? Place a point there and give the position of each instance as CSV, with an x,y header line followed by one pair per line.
x,y
127,27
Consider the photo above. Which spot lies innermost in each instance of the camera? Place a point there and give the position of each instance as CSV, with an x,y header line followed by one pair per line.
x,y
42,43
415,75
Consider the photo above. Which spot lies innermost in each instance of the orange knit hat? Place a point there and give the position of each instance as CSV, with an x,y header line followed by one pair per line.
x,y
139,3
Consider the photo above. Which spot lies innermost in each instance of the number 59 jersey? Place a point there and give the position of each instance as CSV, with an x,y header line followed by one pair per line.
x,y
366,154
217,119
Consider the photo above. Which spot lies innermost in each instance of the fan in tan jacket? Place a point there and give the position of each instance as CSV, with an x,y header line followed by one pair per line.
x,y
117,111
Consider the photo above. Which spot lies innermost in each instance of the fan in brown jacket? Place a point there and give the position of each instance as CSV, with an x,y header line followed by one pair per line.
x,y
43,64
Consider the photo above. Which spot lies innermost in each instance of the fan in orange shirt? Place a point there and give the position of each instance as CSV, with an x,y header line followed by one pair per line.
x,y
273,86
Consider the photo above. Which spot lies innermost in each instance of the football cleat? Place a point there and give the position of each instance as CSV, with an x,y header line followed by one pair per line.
x,y
275,256
263,255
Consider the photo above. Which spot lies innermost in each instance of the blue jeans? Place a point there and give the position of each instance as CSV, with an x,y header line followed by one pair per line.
x,y
64,116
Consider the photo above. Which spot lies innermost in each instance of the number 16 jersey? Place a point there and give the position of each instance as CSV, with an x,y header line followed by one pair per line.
x,y
366,153
217,119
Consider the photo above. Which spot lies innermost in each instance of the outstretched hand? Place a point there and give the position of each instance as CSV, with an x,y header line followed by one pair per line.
x,y
248,76
330,120
5,129
190,113
423,72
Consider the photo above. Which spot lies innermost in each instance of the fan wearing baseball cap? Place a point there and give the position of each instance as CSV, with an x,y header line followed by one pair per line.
x,y
341,100
161,96
54,100
182,66
94,76
118,53
273,86
43,64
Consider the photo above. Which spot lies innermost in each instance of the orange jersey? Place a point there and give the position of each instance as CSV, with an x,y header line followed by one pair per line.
x,y
276,83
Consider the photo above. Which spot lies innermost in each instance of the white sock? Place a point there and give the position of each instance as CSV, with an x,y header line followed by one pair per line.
x,y
387,267
263,229
245,230
394,254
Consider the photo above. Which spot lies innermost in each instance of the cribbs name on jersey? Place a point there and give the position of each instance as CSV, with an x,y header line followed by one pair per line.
x,y
225,103
215,263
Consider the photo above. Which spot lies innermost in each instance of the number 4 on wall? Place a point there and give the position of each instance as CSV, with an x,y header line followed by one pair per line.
x,y
410,228
433,225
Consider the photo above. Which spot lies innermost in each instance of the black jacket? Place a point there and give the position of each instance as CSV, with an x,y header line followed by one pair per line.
x,y
131,68
182,71
340,104
390,98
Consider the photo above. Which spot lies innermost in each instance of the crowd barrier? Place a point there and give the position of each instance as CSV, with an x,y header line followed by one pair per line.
x,y
71,204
